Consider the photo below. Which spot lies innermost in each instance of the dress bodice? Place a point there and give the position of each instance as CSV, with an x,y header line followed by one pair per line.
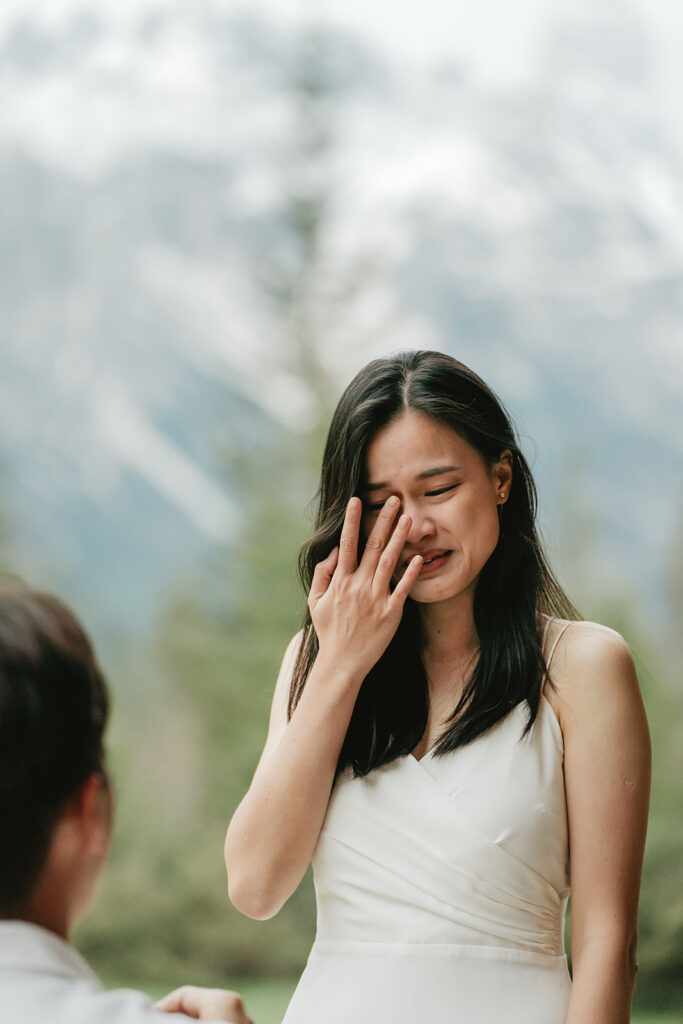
x,y
468,847
442,885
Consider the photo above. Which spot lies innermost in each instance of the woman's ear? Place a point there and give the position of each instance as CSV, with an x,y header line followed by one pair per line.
x,y
502,474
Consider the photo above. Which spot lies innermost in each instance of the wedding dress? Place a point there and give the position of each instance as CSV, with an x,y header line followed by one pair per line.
x,y
442,885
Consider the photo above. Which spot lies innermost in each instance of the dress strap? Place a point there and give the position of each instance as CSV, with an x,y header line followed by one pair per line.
x,y
555,642
548,620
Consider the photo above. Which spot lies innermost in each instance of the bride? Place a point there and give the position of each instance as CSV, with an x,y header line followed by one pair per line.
x,y
449,791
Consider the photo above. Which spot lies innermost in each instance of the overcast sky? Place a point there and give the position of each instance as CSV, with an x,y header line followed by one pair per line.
x,y
497,43
496,40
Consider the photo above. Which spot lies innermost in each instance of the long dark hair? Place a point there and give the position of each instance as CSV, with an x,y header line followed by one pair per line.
x,y
514,588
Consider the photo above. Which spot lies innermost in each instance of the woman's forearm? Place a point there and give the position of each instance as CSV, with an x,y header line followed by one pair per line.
x,y
603,978
355,613
274,831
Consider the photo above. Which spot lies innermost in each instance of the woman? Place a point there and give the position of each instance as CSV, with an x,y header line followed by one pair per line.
x,y
448,792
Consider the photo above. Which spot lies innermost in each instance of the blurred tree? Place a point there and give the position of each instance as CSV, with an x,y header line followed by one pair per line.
x,y
192,741
661,916
660,953
674,579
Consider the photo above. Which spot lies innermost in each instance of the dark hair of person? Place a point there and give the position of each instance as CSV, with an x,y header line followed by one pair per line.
x,y
514,588
53,712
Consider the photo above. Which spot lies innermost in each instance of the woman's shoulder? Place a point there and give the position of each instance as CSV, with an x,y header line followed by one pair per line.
x,y
590,669
572,639
579,636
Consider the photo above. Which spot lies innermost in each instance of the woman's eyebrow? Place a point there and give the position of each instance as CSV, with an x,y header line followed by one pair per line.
x,y
436,471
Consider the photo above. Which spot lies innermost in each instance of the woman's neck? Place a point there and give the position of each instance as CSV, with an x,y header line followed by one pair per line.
x,y
449,636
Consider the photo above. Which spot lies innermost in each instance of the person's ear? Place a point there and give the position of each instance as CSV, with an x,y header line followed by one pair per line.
x,y
90,810
502,475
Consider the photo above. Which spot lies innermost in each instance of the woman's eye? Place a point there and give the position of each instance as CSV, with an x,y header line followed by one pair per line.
x,y
379,505
442,490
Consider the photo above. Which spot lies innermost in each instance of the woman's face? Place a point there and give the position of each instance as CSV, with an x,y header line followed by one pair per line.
x,y
451,494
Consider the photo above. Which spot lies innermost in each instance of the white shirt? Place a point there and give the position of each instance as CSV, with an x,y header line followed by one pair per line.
x,y
43,980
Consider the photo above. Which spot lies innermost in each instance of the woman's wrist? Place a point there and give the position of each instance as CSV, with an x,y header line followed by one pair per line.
x,y
335,673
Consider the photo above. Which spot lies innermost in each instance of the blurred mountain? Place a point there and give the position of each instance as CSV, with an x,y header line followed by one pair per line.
x,y
148,156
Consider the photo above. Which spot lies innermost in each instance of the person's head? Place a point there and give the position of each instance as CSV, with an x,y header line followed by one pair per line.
x,y
453,494
414,413
55,803
409,415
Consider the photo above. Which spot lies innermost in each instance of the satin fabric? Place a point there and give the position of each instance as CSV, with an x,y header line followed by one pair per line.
x,y
442,886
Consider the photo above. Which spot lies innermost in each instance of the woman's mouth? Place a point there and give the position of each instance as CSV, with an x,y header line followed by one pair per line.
x,y
433,561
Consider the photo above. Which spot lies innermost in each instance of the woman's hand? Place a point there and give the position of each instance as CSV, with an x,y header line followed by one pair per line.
x,y
354,611
205,1004
274,831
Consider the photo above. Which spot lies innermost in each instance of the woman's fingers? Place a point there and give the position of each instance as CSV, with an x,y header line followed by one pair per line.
x,y
403,587
348,542
322,576
388,558
379,535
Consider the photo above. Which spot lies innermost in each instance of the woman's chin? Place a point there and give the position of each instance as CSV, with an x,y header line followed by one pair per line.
x,y
433,591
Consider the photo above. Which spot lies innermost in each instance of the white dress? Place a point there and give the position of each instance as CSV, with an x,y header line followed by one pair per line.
x,y
442,886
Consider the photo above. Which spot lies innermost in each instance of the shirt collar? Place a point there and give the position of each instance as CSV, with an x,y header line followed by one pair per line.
x,y
29,948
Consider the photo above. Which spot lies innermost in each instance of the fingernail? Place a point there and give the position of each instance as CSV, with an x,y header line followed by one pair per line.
x,y
404,520
392,501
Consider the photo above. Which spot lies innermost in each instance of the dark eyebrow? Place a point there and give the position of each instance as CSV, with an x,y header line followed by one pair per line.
x,y
437,471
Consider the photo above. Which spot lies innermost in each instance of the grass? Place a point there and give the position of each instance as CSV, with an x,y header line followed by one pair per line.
x,y
655,1018
266,1000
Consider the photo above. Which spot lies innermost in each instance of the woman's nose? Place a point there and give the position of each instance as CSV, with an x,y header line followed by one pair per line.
x,y
421,526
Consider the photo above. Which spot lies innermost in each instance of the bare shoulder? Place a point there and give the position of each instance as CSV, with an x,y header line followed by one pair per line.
x,y
585,646
278,715
592,673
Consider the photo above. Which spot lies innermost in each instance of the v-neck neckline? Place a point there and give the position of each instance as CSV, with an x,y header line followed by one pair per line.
x,y
419,760
430,751
544,700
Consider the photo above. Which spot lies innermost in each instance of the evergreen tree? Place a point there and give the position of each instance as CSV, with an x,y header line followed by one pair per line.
x,y
224,631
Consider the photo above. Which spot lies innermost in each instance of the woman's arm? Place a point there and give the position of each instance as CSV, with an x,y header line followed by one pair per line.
x,y
274,831
607,780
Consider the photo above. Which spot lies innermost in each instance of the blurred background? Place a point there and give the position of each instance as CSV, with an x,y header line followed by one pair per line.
x,y
211,216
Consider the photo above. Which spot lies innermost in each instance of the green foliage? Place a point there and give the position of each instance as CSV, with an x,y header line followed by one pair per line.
x,y
187,757
190,749
660,945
